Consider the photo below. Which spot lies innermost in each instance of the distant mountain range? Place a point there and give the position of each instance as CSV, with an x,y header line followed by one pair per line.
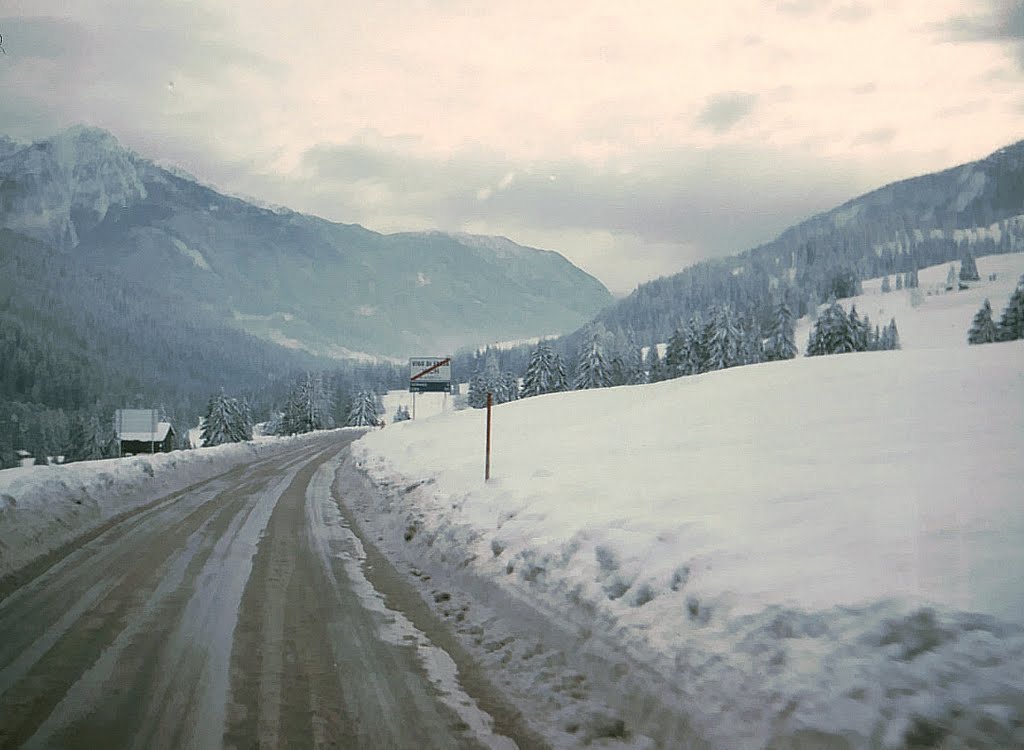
x,y
336,290
935,218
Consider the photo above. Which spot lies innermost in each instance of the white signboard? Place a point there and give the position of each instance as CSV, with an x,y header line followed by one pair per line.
x,y
430,373
136,422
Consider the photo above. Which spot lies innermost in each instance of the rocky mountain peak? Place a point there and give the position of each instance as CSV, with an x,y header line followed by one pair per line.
x,y
55,189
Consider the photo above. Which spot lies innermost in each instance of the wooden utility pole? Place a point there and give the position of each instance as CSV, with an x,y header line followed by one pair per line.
x,y
487,460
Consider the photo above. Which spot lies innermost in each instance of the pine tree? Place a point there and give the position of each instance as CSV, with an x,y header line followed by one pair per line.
x,y
634,362
675,354
309,407
545,373
724,340
509,387
951,282
492,381
899,281
969,267
886,286
983,328
832,333
1011,324
859,331
476,398
695,347
655,369
226,421
364,410
92,438
781,342
401,414
591,366
890,337
752,344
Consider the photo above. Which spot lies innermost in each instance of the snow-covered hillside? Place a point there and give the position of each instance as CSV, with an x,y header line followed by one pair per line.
x,y
932,317
827,547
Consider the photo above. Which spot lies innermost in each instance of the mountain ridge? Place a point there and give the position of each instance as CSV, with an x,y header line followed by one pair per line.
x,y
933,218
336,287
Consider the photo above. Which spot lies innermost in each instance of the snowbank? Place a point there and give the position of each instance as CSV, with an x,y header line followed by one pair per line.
x,y
44,507
824,550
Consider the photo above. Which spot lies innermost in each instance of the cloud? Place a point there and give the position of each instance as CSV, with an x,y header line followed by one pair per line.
x,y
1002,21
725,110
875,137
851,12
113,69
681,203
801,7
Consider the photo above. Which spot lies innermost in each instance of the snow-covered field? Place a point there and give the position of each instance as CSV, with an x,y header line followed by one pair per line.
x,y
824,550
44,507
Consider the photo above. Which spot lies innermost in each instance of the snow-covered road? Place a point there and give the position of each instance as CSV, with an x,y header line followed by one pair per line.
x,y
233,614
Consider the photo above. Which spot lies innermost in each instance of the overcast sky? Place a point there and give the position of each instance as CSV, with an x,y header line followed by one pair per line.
x,y
634,138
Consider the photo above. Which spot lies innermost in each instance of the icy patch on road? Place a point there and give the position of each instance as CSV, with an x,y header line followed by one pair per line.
x,y
329,533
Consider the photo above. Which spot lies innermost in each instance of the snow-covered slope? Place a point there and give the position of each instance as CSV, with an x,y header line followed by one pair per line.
x,y
932,317
828,548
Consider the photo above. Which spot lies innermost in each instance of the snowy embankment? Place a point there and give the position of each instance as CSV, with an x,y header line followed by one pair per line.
x,y
827,550
44,507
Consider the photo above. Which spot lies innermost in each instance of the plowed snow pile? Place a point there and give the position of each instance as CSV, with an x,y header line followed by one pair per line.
x,y
822,550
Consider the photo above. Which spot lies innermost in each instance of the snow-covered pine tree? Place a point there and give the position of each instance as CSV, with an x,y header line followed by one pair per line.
x,y
951,279
401,414
890,337
308,408
1011,324
591,365
969,266
983,328
509,387
545,373
752,342
634,362
867,335
655,369
616,369
92,438
899,281
226,421
859,332
675,354
492,381
723,340
842,333
832,333
476,398
695,346
781,342
364,410
886,285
